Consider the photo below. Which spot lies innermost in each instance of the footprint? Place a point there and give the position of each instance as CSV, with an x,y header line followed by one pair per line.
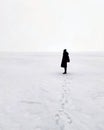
x,y
69,120
57,116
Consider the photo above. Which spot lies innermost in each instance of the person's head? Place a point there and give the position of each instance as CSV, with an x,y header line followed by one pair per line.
x,y
64,50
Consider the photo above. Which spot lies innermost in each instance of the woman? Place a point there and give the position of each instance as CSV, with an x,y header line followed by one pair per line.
x,y
65,59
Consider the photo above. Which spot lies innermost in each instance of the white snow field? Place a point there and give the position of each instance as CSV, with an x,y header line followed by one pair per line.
x,y
35,95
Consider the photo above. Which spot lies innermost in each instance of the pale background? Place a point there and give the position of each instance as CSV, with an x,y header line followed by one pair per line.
x,y
51,25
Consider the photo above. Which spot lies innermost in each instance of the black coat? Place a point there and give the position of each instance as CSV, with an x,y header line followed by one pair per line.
x,y
65,59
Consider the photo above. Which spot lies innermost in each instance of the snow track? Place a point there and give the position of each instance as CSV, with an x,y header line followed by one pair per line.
x,y
63,118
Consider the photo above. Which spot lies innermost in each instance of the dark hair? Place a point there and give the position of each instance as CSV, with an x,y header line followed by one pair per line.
x,y
64,50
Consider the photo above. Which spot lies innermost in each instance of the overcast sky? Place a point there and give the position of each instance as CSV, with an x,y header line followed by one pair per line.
x,y
51,25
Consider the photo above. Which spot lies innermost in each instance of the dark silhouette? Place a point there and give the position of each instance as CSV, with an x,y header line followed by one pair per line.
x,y
65,59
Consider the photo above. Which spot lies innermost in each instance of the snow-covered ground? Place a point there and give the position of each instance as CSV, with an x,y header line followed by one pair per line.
x,y
35,95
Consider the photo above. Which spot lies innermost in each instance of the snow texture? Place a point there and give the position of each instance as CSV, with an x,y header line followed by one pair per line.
x,y
35,95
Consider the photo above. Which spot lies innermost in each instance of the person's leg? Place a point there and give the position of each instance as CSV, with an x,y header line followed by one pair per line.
x,y
65,70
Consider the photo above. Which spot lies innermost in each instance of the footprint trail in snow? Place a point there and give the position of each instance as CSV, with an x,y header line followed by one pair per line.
x,y
63,118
